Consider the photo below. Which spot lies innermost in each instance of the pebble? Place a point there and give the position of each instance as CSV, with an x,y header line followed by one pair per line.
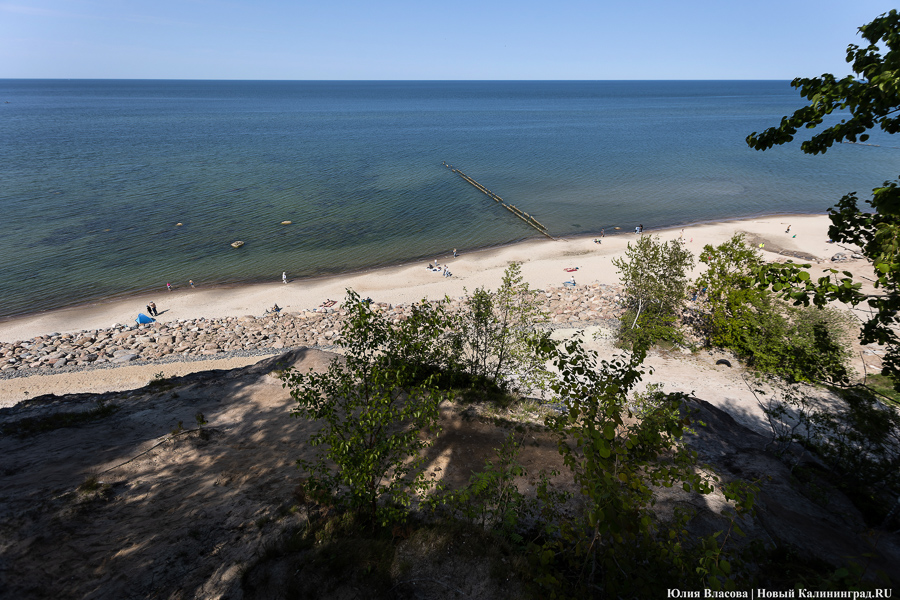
x,y
201,339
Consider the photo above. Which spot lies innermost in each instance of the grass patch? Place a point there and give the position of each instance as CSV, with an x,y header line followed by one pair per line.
x,y
91,484
161,383
35,425
884,387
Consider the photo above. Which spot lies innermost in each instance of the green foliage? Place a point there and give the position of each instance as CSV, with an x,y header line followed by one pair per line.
x,y
492,500
654,274
615,463
656,407
376,409
883,387
161,383
618,451
804,344
91,484
871,95
870,98
734,303
495,336
645,329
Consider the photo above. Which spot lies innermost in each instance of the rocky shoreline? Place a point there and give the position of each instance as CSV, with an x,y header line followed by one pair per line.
x,y
204,339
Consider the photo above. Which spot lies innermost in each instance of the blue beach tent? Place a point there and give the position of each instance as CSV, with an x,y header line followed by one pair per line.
x,y
142,319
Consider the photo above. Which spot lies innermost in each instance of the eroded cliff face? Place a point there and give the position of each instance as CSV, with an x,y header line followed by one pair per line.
x,y
130,503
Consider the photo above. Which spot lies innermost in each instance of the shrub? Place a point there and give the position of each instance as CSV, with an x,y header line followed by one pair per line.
x,y
496,335
618,451
801,343
654,274
376,408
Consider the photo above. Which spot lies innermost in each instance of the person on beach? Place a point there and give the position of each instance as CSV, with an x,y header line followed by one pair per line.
x,y
191,281
454,253
788,230
152,307
149,310
602,233
284,277
169,286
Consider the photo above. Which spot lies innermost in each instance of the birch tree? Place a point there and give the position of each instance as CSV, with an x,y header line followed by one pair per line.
x,y
654,274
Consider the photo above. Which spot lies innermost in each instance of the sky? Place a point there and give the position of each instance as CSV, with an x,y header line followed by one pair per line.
x,y
428,39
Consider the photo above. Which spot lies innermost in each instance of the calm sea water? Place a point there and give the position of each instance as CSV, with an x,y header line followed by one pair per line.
x,y
94,175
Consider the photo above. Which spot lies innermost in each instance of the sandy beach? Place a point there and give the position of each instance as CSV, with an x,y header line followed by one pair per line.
x,y
544,265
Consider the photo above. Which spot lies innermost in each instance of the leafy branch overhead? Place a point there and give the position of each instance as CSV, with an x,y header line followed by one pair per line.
x,y
866,100
870,95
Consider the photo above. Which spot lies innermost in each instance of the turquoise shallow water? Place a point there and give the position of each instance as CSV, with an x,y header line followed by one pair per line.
x,y
96,174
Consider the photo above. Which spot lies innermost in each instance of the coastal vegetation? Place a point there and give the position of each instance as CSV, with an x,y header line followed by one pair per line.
x,y
600,535
866,100
800,343
378,405
597,486
654,274
619,515
495,333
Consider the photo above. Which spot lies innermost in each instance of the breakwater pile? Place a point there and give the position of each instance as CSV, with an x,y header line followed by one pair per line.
x,y
528,219
198,339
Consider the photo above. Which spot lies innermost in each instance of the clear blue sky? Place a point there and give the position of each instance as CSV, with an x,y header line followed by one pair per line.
x,y
428,39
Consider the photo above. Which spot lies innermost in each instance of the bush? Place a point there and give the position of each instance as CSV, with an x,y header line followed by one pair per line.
x,y
618,450
801,343
376,407
495,337
654,274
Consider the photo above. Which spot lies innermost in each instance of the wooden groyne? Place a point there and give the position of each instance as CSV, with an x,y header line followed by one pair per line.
x,y
510,207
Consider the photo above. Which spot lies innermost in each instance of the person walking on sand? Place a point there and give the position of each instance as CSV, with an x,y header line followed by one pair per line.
x,y
284,277
788,229
454,253
169,286
152,307
191,281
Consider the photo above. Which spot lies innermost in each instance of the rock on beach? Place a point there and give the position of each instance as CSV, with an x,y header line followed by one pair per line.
x,y
120,344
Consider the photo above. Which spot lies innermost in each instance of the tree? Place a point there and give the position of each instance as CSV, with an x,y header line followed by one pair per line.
x,y
654,274
802,343
871,97
621,449
496,335
376,407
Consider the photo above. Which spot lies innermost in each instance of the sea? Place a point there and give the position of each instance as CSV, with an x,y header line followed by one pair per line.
x,y
111,188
